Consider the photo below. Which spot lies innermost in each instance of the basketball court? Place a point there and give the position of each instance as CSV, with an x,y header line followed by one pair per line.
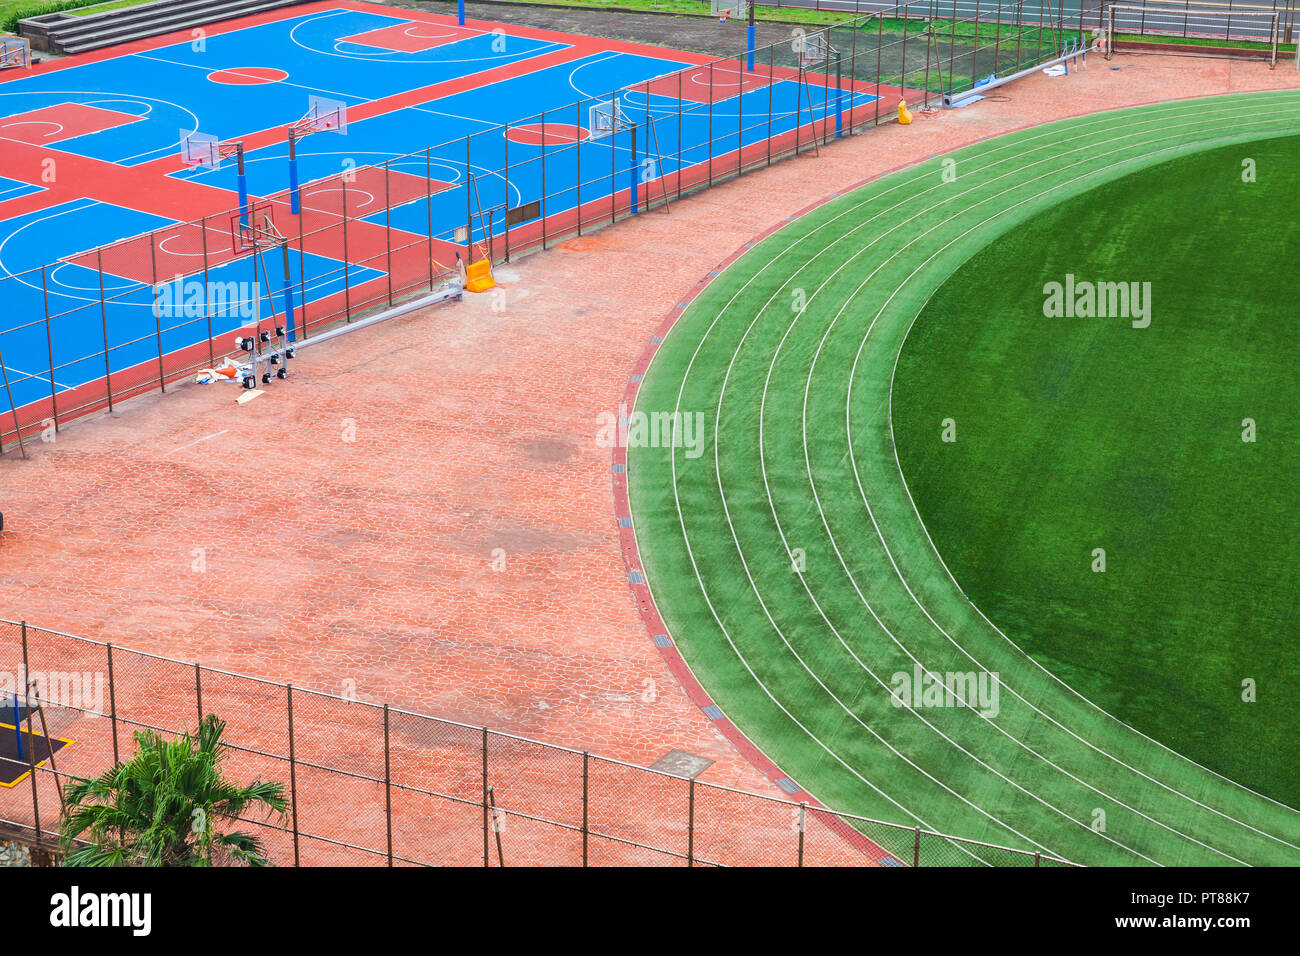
x,y
127,172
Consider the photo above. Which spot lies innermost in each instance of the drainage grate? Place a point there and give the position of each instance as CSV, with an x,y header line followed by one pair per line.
x,y
682,764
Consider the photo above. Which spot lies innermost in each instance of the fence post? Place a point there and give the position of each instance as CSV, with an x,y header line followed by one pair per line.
x,y
293,777
577,152
428,205
157,318
771,82
469,209
880,45
347,272
690,825
740,122
485,797
613,160
103,319
198,691
586,784
388,230
803,820
112,704
505,213
1037,859
853,71
543,203
679,134
49,345
31,747
916,848
207,289
997,36
710,124
302,274
388,788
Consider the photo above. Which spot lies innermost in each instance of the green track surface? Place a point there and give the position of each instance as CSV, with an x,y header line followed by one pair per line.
x,y
799,469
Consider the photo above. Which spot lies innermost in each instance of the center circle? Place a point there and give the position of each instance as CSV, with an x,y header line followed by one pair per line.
x,y
248,75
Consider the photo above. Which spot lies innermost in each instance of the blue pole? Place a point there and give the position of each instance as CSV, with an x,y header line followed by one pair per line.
x,y
18,730
749,52
288,306
460,12
242,181
294,202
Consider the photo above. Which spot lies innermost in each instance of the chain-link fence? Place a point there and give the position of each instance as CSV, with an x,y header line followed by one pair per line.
x,y
109,323
374,785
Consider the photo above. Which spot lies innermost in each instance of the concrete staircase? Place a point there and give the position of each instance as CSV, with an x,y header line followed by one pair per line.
x,y
64,33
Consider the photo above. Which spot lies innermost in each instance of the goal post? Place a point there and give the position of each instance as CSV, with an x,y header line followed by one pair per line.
x,y
1191,20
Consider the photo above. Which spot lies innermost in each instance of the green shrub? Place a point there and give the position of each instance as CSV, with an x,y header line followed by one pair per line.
x,y
11,17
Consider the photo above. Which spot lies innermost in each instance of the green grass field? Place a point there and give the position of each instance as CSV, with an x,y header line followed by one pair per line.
x,y
800,583
1084,433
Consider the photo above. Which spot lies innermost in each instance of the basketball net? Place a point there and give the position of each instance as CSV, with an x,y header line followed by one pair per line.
x,y
722,15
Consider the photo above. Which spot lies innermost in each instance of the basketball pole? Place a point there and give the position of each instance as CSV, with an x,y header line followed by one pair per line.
x,y
460,12
242,181
749,51
288,291
294,202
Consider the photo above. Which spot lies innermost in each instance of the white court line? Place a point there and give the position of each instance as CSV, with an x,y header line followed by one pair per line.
x,y
472,119
28,376
546,47
197,441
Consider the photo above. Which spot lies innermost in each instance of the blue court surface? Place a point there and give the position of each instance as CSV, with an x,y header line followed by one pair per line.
x,y
120,261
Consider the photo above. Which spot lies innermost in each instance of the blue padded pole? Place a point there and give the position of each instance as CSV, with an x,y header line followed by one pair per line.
x,y
243,186
749,50
295,203
288,295
460,12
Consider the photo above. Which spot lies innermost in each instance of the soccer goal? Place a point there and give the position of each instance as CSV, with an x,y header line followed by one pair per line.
x,y
1200,21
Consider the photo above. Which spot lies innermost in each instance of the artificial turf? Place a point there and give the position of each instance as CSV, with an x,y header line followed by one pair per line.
x,y
1084,433
795,575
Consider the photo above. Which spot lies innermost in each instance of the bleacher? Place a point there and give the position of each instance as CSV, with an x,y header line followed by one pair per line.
x,y
65,33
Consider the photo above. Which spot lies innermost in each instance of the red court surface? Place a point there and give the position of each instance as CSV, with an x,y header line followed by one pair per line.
x,y
552,134
709,84
61,121
412,37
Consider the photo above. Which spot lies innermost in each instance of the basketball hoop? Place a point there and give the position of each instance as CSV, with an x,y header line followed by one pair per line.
x,y
724,9
256,235
324,115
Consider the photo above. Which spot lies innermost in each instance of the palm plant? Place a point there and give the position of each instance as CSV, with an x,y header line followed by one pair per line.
x,y
163,806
